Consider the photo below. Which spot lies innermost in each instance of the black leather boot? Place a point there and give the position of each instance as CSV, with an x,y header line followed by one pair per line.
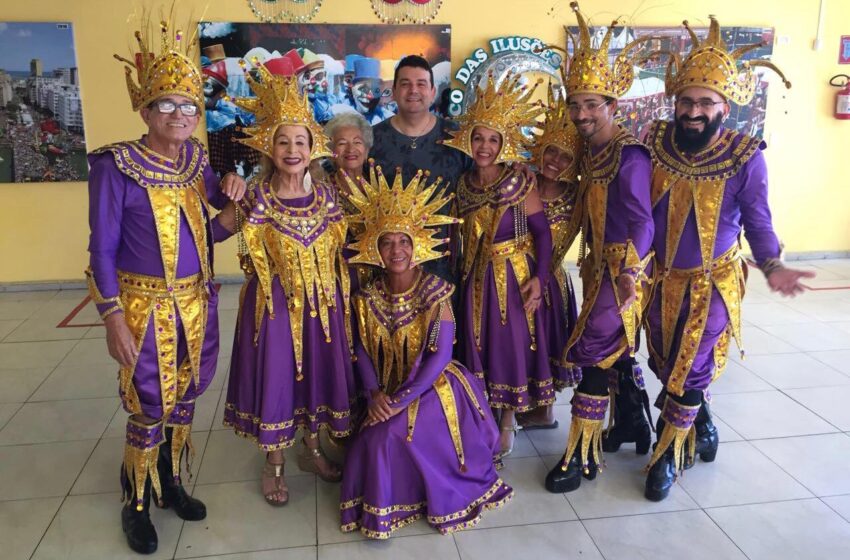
x,y
173,494
661,477
559,480
631,405
137,526
707,438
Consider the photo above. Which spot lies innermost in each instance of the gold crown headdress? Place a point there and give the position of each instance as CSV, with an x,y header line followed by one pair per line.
x,y
172,72
589,70
505,109
711,66
558,130
412,209
278,103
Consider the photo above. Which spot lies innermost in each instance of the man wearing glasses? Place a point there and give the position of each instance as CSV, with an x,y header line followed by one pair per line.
x,y
708,184
150,276
616,222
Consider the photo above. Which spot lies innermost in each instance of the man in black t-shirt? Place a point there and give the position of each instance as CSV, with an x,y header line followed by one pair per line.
x,y
410,140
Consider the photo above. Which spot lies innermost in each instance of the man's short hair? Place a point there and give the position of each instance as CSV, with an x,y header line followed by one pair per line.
x,y
413,61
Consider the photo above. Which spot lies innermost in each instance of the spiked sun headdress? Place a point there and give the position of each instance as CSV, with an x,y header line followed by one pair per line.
x,y
558,130
712,66
589,70
278,103
171,72
412,209
505,109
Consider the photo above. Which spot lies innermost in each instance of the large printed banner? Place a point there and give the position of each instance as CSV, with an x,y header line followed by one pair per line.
x,y
645,101
342,67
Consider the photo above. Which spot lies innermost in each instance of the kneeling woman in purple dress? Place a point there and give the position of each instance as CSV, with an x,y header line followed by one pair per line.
x,y
292,362
428,443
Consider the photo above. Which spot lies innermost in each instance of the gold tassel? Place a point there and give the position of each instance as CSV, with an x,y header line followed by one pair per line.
x,y
139,464
589,432
181,436
678,438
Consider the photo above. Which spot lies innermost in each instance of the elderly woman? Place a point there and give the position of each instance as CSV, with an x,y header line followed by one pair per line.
x,y
351,139
291,366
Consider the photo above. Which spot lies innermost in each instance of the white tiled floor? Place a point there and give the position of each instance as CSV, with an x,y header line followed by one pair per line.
x,y
780,488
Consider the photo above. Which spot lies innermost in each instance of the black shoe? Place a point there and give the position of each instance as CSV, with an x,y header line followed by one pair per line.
x,y
707,440
630,421
173,494
661,477
140,532
560,480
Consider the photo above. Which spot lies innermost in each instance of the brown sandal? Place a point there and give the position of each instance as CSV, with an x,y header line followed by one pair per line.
x,y
308,461
279,495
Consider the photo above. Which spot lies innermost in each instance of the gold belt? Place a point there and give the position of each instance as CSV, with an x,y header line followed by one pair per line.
x,y
732,255
142,284
523,246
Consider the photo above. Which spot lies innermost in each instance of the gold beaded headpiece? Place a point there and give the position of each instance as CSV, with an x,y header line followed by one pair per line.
x,y
278,103
589,70
558,130
505,109
711,66
172,72
412,209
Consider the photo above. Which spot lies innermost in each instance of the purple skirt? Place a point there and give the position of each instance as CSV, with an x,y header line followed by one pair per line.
x,y
390,482
265,402
559,317
516,376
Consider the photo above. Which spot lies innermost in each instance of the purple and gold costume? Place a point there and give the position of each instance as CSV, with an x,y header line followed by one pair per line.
x,y
701,202
291,364
501,342
435,458
151,258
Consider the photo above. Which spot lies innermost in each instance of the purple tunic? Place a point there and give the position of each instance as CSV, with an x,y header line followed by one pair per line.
x,y
736,165
267,398
516,367
124,237
416,464
625,167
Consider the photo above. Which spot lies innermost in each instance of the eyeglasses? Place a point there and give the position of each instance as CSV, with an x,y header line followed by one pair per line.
x,y
704,104
167,107
590,107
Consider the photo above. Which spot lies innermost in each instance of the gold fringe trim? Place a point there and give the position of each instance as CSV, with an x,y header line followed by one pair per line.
x,y
677,437
181,436
589,432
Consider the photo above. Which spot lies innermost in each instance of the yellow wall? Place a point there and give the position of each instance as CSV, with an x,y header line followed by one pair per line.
x,y
44,226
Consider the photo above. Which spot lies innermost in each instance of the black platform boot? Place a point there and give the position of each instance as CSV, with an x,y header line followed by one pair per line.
x,y
631,409
173,494
137,526
560,480
662,474
707,438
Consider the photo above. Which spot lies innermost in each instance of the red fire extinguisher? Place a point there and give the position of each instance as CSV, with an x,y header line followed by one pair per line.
x,y
842,96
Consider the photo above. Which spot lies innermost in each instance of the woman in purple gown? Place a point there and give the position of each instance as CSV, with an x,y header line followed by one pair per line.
x,y
291,366
507,251
428,443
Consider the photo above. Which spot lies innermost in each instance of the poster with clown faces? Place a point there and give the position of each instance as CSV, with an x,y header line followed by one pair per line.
x,y
341,67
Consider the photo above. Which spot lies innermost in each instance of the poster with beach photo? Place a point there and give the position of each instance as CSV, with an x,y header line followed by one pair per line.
x,y
41,117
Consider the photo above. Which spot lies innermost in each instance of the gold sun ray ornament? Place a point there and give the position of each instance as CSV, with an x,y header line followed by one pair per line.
x,y
413,209
712,66
277,103
171,72
589,70
506,108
